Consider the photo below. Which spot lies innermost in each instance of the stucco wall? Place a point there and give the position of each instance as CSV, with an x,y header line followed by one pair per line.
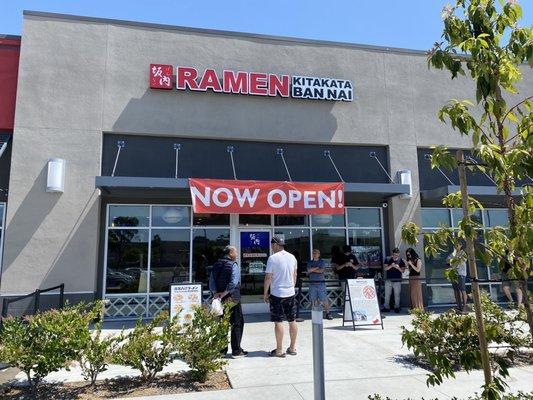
x,y
79,78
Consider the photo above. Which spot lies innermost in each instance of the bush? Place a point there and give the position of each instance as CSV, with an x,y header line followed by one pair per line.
x,y
449,342
96,351
146,349
202,341
45,342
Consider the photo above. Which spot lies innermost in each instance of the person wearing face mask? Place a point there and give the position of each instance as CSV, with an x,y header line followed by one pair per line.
x,y
394,268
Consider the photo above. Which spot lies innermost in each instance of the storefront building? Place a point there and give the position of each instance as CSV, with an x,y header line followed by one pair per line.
x,y
112,118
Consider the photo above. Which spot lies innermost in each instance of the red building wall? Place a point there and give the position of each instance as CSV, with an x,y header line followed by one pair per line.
x,y
9,65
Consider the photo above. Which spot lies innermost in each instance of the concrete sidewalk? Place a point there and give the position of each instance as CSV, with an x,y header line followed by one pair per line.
x,y
358,363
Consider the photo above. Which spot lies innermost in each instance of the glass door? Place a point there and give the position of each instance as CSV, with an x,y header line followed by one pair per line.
x,y
254,250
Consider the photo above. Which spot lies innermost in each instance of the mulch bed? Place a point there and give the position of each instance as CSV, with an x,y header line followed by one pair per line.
x,y
120,387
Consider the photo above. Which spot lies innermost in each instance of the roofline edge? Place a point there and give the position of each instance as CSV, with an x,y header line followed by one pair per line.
x,y
238,34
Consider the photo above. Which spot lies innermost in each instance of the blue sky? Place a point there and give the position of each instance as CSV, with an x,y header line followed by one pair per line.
x,y
414,24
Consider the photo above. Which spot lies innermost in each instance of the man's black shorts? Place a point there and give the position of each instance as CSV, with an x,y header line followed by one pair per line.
x,y
282,307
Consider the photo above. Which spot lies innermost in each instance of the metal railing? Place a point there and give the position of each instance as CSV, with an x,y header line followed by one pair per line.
x,y
36,295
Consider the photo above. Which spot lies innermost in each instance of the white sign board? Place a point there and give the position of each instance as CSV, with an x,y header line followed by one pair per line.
x,y
184,297
361,306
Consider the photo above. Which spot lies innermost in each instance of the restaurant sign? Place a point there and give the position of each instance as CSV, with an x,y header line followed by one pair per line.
x,y
221,196
250,83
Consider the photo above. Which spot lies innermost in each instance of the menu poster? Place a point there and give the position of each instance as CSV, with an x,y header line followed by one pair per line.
x,y
184,297
361,305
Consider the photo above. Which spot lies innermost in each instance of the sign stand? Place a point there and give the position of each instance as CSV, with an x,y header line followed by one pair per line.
x,y
362,304
184,297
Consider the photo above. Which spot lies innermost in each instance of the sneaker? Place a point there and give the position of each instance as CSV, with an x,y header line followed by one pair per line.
x,y
385,310
397,310
328,316
239,354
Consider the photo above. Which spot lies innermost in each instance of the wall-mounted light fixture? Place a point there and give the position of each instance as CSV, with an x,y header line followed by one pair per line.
x,y
404,178
55,179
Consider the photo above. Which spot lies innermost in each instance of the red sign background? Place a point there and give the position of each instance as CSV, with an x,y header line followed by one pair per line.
x,y
266,197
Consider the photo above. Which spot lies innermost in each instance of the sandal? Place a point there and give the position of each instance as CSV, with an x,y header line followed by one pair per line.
x,y
274,353
291,352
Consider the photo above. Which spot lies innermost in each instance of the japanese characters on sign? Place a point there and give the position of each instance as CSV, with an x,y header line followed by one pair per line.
x,y
265,197
251,83
184,298
160,76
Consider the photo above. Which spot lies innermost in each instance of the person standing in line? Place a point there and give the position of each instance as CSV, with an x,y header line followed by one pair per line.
x,y
280,279
414,263
394,268
225,284
457,260
346,264
317,285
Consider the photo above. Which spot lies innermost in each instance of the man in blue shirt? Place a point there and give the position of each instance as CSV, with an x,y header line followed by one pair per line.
x,y
317,286
394,267
225,284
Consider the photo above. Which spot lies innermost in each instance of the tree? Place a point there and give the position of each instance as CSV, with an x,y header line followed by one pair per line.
x,y
483,39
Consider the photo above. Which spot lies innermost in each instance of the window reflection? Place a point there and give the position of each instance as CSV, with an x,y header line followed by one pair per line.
x,y
457,215
435,217
210,219
169,258
127,261
495,217
326,239
366,244
364,217
291,220
171,216
207,249
1,215
129,216
328,220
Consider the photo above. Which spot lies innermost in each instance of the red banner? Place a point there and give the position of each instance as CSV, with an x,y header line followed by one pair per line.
x,y
264,197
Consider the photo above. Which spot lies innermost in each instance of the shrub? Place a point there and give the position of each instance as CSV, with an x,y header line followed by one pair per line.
x,y
146,349
45,342
449,342
202,341
96,351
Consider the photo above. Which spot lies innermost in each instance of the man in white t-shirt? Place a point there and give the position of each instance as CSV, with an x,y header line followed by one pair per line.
x,y
280,278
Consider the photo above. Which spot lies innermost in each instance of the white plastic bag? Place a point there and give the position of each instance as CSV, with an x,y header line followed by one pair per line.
x,y
216,308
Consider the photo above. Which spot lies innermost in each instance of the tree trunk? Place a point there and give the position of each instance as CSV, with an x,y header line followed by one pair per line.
x,y
473,274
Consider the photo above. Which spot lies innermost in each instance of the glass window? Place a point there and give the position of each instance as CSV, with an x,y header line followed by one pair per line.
x,y
169,258
171,216
255,219
366,244
127,261
326,239
457,215
291,220
441,294
129,216
495,217
1,215
365,217
435,217
297,242
328,220
207,246
211,219
435,267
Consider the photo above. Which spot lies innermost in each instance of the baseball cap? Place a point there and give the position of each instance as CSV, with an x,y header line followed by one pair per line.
x,y
278,240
